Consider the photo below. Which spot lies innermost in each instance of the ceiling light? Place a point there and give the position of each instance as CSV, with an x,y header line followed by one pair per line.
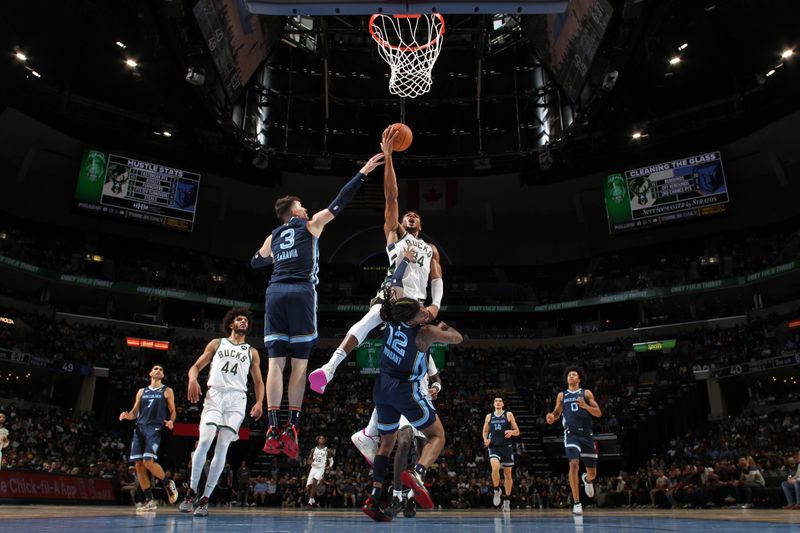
x,y
684,46
638,135
131,63
771,72
675,60
157,133
786,54
121,44
36,74
166,133
21,56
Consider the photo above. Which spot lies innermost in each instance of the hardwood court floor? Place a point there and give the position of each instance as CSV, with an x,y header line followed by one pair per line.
x,y
30,518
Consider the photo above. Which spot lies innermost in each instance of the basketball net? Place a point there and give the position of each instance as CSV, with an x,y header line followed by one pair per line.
x,y
410,44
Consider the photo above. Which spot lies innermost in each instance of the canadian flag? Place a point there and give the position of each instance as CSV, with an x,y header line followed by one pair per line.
x,y
432,195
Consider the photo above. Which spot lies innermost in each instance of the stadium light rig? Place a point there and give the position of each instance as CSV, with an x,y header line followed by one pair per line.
x,y
19,55
683,47
131,63
675,60
786,54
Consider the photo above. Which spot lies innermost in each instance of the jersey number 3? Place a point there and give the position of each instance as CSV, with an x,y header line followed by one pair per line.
x,y
288,238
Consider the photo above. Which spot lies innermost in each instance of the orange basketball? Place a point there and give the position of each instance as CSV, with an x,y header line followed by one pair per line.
x,y
403,138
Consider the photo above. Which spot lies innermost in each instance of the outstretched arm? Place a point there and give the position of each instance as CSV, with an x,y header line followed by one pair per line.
x,y
263,257
590,405
346,194
556,412
194,372
391,211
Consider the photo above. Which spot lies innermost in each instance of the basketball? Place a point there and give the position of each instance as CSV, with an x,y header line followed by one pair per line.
x,y
404,137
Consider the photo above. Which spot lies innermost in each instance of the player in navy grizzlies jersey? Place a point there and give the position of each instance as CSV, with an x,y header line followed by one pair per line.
x,y
291,302
150,412
498,430
397,391
577,406
231,361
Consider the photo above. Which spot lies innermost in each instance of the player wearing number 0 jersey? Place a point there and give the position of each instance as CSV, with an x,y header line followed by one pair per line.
x,y
290,320
224,408
499,428
576,406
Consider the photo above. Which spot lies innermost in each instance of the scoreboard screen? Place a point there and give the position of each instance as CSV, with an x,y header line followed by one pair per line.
x,y
137,190
681,189
650,346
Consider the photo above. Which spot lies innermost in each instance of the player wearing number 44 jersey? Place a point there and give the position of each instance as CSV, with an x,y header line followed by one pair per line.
x,y
224,408
577,406
290,319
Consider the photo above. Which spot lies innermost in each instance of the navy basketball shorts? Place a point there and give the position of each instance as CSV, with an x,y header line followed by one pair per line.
x,y
578,445
394,398
504,454
146,440
290,319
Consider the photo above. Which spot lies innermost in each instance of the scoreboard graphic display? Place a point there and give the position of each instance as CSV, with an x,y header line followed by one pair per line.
x,y
137,190
675,190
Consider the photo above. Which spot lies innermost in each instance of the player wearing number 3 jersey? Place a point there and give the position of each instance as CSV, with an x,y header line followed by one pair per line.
x,y
290,320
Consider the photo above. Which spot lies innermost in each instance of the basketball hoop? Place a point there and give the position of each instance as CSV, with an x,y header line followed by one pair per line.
x,y
410,44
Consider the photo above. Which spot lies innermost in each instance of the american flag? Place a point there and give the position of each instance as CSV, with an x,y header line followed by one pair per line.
x,y
369,198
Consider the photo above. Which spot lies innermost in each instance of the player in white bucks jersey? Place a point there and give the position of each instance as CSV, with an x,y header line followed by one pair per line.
x,y
401,236
320,458
224,408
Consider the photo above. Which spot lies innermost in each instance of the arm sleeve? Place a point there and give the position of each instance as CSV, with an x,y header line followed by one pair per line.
x,y
397,277
437,291
257,262
346,194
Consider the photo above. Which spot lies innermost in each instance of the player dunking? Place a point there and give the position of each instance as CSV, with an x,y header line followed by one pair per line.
x,y
400,236
577,407
150,412
224,408
397,392
320,458
291,302
498,430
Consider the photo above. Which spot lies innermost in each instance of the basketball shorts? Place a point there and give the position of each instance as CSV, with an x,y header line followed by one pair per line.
x,y
224,409
504,454
315,474
580,445
290,318
394,398
146,440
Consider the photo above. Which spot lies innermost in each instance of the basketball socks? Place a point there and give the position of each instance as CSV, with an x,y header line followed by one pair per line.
x,y
272,416
148,494
379,468
397,494
294,416
338,356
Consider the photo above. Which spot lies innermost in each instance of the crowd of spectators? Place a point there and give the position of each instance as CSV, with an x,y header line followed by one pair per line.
x,y
664,265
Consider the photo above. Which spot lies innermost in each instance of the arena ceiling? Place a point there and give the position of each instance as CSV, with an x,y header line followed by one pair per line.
x,y
730,79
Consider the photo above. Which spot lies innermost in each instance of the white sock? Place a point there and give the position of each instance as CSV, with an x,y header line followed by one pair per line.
x,y
397,494
372,428
336,359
